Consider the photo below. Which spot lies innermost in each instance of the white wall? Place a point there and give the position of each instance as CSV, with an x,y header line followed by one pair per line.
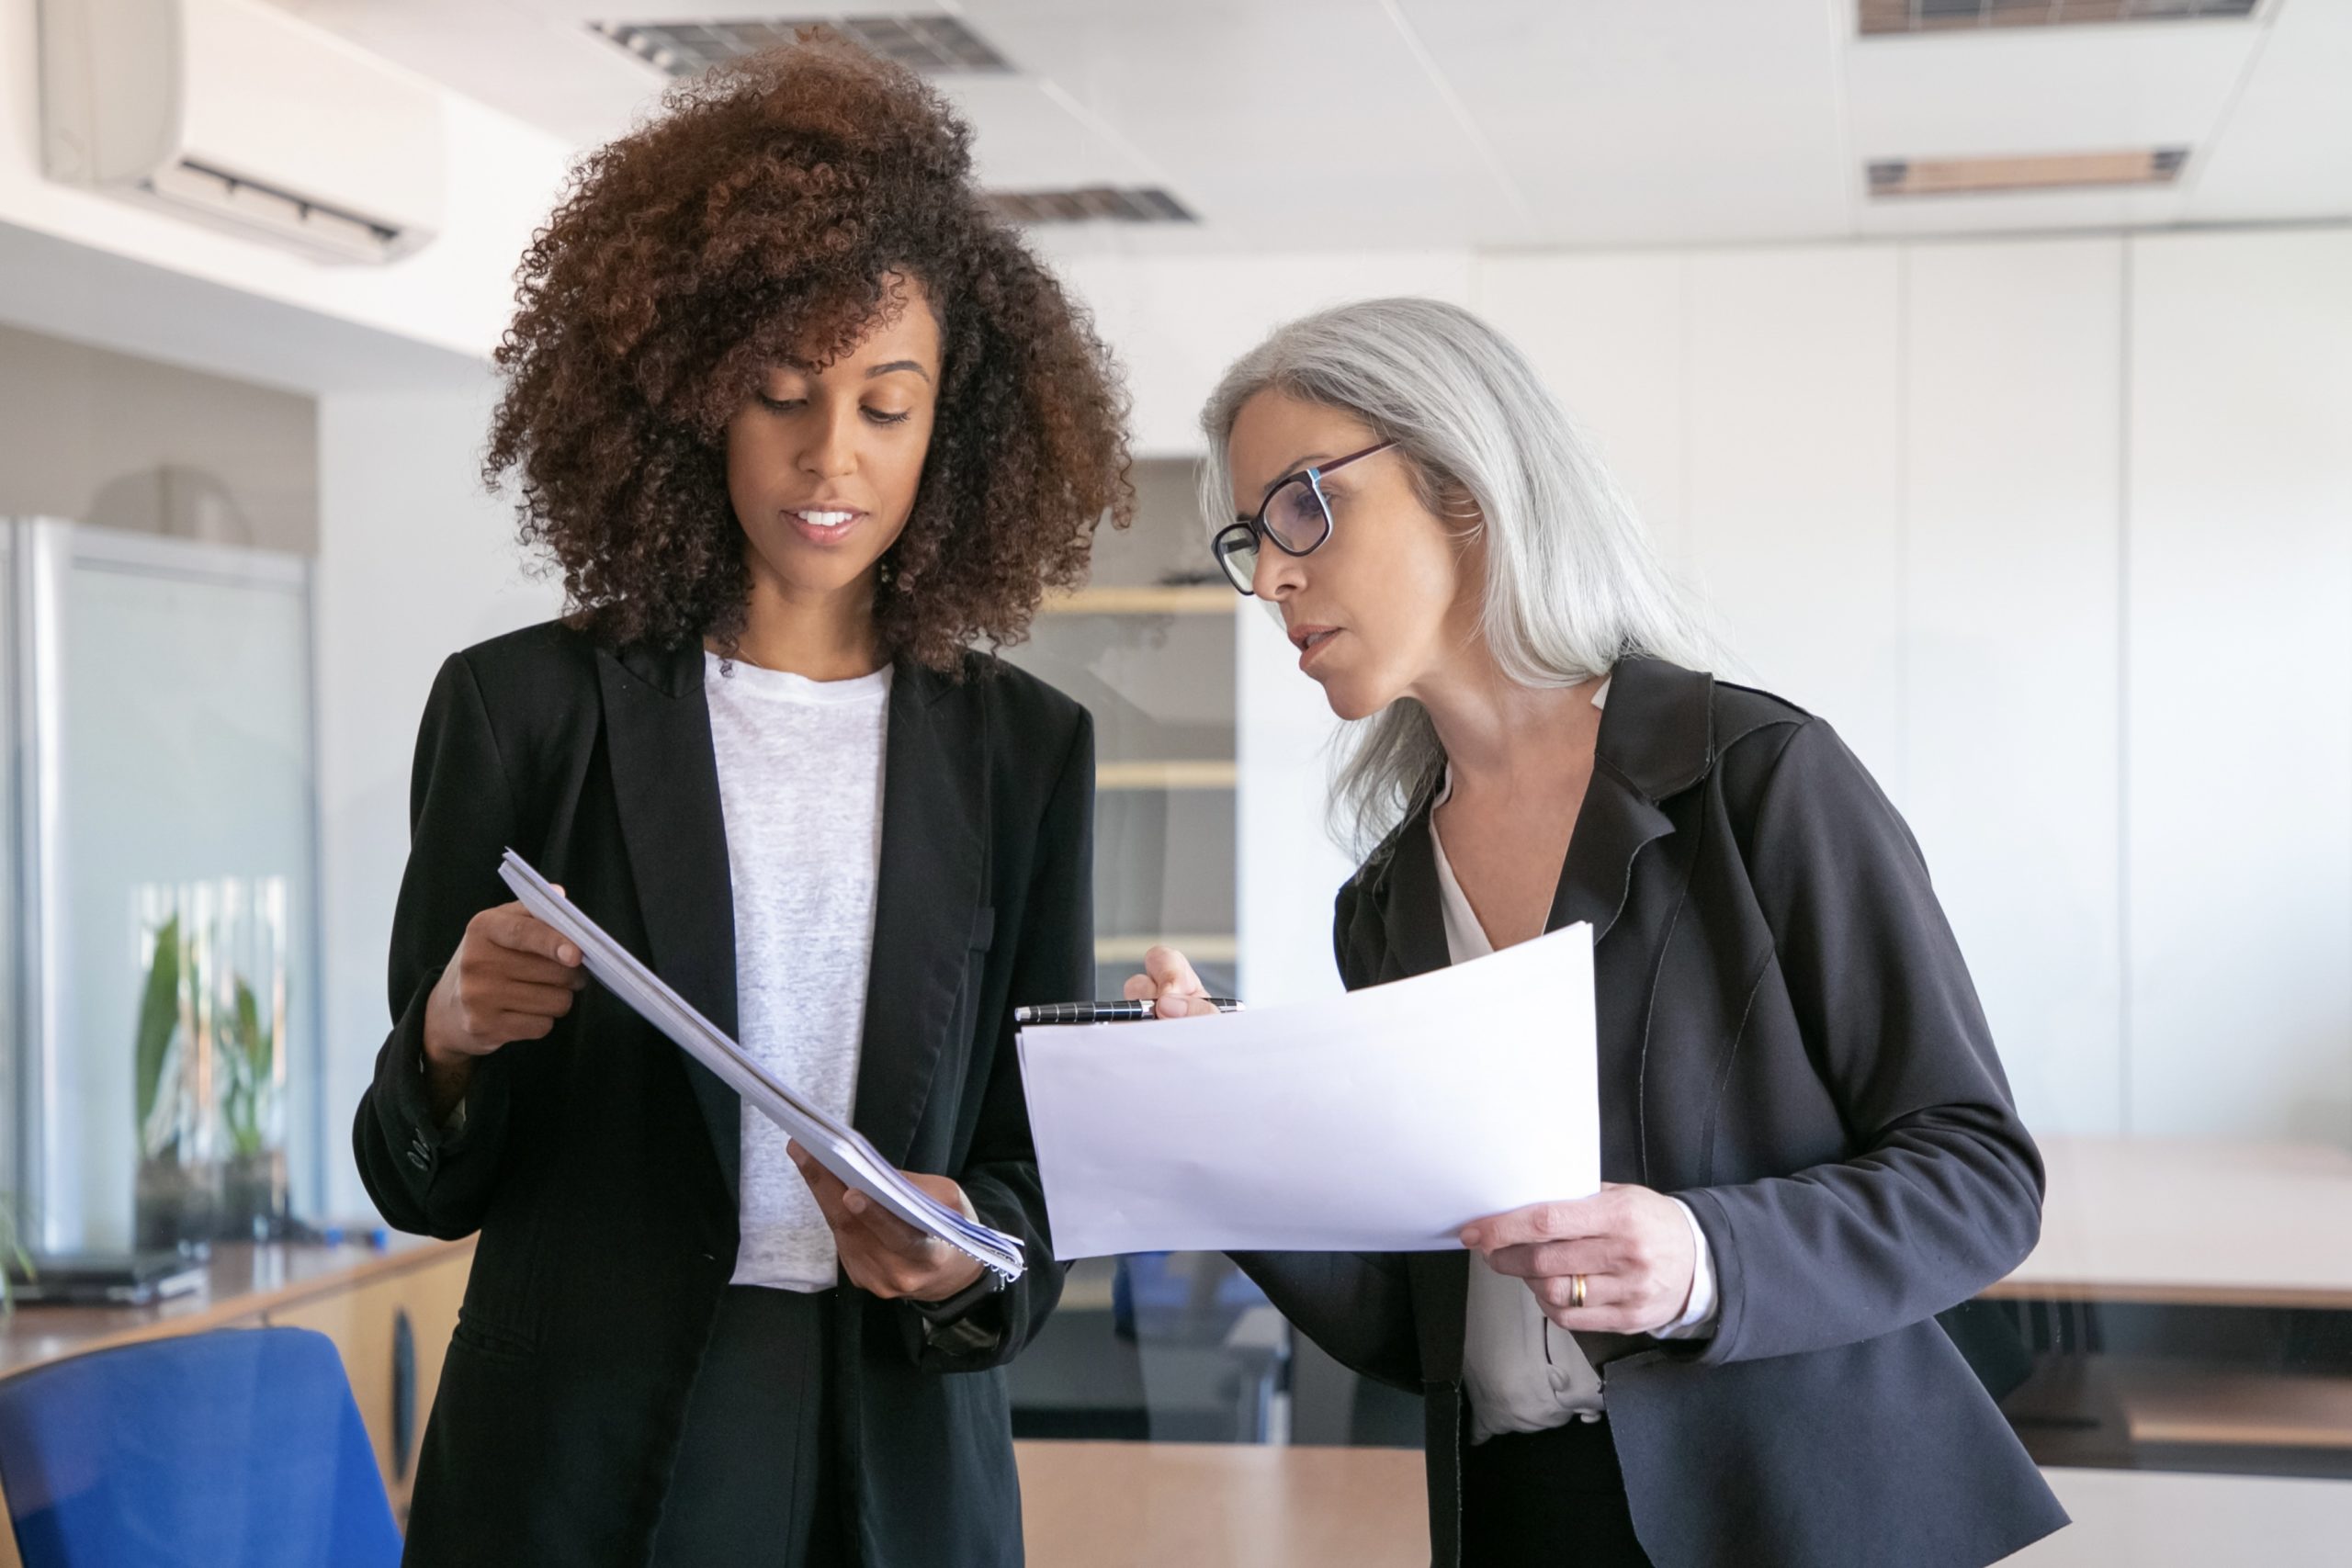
x,y
2012,410
1993,507
2058,533
2238,718
416,563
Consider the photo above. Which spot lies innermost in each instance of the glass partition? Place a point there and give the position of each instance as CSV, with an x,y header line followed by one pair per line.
x,y
171,969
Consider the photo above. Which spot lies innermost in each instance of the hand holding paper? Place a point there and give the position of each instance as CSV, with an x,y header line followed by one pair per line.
x,y
1385,1120
838,1147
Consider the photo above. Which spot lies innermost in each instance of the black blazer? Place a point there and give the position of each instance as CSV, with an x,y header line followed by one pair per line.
x,y
599,1163
1789,1043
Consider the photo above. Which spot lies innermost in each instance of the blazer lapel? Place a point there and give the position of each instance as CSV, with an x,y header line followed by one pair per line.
x,y
1412,920
665,784
1656,738
927,897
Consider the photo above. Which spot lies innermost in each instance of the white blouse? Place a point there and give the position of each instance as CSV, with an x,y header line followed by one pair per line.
x,y
1521,1374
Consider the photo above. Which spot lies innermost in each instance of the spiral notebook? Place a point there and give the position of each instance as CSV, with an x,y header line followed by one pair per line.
x,y
837,1146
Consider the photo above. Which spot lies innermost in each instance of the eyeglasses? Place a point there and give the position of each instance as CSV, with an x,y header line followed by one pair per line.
x,y
1297,516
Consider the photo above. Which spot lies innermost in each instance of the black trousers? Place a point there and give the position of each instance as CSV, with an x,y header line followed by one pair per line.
x,y
757,1481
1552,1499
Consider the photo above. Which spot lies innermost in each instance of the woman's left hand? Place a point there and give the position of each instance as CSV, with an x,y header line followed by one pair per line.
x,y
882,1254
1632,1246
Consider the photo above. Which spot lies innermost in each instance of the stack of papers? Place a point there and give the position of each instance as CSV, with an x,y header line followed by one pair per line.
x,y
840,1148
1381,1121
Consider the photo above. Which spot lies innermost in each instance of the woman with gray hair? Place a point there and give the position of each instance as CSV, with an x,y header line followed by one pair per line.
x,y
1730,1353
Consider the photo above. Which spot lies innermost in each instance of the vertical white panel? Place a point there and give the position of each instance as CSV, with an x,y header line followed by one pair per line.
x,y
1795,492
1608,333
2012,696
414,563
2238,715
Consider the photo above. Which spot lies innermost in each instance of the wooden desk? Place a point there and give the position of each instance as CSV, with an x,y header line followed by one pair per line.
x,y
1218,1506
2156,1519
1161,1505
2192,1223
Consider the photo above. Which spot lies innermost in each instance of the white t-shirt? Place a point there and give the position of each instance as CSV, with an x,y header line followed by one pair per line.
x,y
800,786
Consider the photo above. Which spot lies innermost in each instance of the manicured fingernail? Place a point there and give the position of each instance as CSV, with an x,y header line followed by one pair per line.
x,y
1470,1236
568,954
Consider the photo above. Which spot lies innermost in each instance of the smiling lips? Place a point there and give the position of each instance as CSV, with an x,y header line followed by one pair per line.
x,y
824,524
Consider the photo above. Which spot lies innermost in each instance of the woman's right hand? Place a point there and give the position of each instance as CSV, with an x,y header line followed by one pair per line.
x,y
1169,983
511,978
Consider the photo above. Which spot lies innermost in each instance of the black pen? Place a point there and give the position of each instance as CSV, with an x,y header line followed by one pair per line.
x,y
1106,1012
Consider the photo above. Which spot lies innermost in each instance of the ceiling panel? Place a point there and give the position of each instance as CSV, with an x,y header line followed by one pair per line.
x,y
1633,121
2044,90
2286,151
1287,126
1027,137
1293,125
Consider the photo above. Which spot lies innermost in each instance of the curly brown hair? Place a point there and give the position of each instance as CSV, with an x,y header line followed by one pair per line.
x,y
768,216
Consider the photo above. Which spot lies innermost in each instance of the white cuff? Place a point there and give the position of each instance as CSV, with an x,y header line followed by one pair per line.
x,y
1698,1319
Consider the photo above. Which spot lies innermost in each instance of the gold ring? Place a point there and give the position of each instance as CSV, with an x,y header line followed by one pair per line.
x,y
1576,1289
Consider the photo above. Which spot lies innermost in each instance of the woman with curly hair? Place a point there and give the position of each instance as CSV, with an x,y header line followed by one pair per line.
x,y
801,422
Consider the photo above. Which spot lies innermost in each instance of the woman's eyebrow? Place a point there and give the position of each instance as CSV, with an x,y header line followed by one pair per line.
x,y
1297,467
898,365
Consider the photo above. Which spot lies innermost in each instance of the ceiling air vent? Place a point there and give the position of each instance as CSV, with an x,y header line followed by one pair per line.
x,y
1885,17
933,44
2038,171
1094,204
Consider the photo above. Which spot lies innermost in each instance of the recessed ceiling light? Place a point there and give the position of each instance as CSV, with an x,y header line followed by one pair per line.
x,y
1879,18
1147,204
2033,171
933,43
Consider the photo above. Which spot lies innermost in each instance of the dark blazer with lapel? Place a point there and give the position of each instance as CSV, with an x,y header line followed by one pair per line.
x,y
1789,1043
599,1163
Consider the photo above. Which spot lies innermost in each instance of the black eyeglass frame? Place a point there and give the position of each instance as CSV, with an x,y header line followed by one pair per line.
x,y
1238,534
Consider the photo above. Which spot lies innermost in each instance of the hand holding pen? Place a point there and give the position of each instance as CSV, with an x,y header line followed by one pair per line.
x,y
1169,984
1169,990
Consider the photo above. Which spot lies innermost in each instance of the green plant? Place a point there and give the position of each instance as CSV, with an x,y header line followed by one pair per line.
x,y
15,1253
248,1049
159,1021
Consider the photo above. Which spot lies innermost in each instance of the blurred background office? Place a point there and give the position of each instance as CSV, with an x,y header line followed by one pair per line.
x,y
1987,365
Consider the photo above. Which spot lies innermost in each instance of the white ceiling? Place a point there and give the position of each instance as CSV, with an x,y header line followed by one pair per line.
x,y
1306,124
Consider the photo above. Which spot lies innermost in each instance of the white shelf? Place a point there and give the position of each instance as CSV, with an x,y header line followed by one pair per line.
x,y
1209,599
1199,948
1212,775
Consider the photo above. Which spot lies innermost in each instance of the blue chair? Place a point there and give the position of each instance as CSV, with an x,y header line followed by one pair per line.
x,y
236,1448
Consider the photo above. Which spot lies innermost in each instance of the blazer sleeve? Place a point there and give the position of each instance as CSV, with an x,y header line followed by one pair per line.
x,y
1357,1305
1944,1194
462,816
1054,960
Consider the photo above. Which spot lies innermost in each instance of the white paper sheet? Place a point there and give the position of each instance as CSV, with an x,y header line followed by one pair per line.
x,y
835,1146
1383,1120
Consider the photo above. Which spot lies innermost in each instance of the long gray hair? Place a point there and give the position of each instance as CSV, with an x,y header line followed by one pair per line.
x,y
1573,585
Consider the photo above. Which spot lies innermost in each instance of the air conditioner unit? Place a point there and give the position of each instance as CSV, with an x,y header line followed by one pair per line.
x,y
234,113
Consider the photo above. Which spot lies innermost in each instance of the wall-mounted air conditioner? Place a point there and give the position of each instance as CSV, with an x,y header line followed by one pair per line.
x,y
237,114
